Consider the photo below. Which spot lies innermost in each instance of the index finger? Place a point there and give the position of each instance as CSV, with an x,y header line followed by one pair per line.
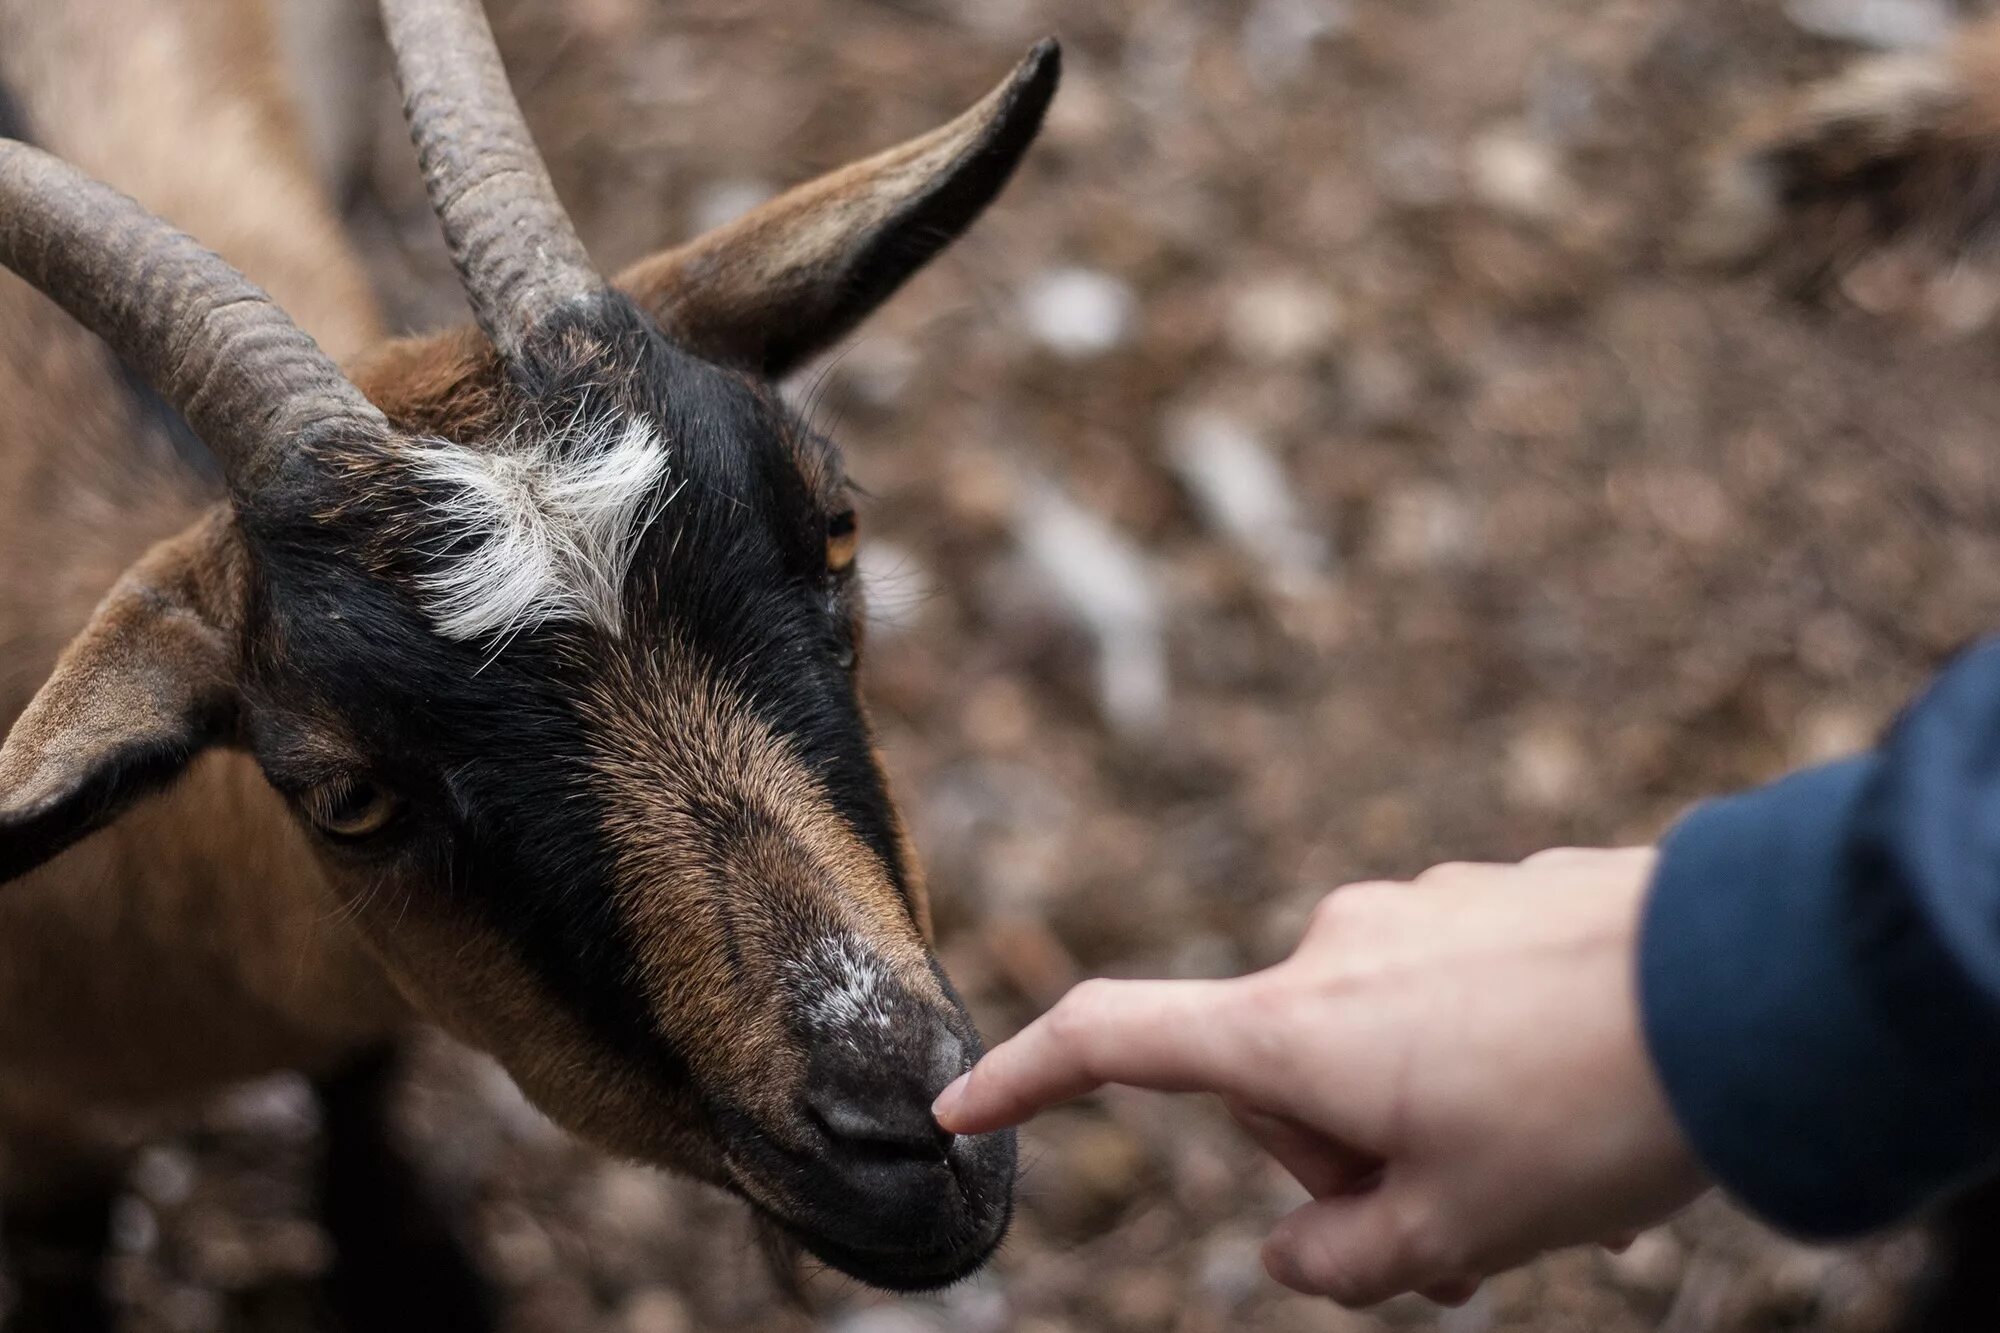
x,y
1171,1036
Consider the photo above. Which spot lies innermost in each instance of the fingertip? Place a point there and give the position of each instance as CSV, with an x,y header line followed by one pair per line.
x,y
1281,1264
1285,1260
1344,1249
945,1110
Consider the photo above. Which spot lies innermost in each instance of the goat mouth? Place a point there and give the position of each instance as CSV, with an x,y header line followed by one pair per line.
x,y
963,1250
899,1271
903,1224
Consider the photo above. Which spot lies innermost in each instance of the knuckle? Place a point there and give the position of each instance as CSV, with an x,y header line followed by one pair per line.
x,y
1078,1012
1555,858
1329,912
1345,908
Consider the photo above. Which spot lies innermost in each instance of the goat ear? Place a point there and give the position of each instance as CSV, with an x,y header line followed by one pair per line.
x,y
149,682
790,278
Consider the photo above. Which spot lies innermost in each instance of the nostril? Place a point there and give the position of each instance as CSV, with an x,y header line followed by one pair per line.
x,y
871,1098
881,1130
947,1062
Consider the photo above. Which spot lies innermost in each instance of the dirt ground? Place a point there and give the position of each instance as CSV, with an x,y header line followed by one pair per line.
x,y
1321,463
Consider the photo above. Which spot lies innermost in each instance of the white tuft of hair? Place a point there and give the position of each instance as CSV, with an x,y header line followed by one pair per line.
x,y
841,986
540,531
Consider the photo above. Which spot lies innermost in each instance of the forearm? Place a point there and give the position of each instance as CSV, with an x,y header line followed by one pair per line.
x,y
1820,972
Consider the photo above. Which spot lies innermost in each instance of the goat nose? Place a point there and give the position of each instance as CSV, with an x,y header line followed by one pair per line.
x,y
895,1126
885,1106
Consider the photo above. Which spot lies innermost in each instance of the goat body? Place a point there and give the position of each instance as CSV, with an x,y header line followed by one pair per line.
x,y
508,685
193,942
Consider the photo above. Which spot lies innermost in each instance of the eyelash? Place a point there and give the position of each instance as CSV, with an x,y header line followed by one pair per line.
x,y
332,807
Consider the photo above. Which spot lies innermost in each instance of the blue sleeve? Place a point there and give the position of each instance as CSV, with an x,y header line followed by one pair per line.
x,y
1819,972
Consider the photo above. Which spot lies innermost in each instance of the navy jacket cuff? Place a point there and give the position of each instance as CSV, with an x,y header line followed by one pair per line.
x,y
1820,1048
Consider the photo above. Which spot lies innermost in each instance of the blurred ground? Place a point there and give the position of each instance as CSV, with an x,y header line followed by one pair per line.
x,y
1319,465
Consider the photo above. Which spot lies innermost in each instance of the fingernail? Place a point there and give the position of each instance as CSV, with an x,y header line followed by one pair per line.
x,y
948,1100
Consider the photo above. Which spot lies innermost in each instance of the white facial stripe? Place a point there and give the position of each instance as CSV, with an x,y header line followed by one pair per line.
x,y
551,526
841,986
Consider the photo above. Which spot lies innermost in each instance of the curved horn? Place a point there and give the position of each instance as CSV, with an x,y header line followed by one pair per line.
x,y
247,379
515,248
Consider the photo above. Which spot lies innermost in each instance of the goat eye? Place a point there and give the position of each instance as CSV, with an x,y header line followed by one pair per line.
x,y
351,808
842,538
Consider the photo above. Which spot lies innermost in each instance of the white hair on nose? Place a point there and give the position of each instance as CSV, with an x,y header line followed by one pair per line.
x,y
548,528
842,986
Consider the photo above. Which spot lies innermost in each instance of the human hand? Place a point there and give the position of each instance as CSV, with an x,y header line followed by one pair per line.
x,y
1452,1068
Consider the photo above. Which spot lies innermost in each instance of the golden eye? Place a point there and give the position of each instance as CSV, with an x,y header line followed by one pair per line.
x,y
842,537
350,808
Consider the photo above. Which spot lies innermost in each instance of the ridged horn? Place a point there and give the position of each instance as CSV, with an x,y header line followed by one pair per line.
x,y
516,250
247,379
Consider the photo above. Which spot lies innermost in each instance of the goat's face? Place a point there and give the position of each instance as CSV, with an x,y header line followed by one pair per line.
x,y
570,701
549,635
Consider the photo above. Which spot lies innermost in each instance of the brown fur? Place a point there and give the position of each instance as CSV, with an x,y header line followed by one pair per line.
x,y
717,756
203,935
442,384
1893,148
231,957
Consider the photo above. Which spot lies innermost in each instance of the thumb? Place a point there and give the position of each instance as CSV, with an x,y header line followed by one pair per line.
x,y
1360,1249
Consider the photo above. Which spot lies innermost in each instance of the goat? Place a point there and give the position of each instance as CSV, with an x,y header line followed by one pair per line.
x,y
503,680
1891,146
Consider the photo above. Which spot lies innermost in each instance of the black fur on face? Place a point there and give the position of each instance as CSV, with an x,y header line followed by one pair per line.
x,y
672,831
